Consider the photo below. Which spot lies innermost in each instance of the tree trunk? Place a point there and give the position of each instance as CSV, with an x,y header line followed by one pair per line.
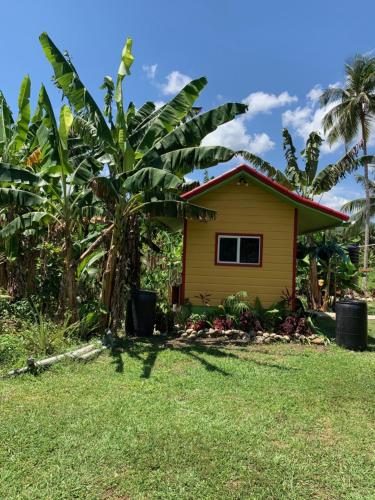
x,y
16,280
367,209
127,276
110,267
315,292
328,286
122,270
70,278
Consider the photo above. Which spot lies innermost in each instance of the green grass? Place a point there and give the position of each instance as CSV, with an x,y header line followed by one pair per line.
x,y
371,308
275,421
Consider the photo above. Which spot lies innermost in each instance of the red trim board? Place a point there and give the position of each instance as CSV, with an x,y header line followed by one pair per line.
x,y
294,276
182,297
266,180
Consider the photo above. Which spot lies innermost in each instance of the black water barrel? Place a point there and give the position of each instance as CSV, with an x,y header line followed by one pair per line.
x,y
143,312
129,327
353,251
351,324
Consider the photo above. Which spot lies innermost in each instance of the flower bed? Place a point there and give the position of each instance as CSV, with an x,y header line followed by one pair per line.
x,y
240,337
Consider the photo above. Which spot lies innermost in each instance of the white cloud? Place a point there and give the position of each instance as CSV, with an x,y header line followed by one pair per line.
x,y
159,104
261,102
307,119
260,143
338,196
150,70
234,135
314,94
175,82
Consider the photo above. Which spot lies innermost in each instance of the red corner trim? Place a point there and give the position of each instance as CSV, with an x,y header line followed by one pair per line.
x,y
184,243
295,233
266,180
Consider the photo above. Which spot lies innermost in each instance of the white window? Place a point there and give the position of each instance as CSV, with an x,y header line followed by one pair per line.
x,y
239,249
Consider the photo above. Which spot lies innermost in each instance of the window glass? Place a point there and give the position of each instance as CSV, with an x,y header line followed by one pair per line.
x,y
227,249
249,251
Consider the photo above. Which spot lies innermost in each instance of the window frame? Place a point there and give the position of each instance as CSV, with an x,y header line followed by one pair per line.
x,y
238,236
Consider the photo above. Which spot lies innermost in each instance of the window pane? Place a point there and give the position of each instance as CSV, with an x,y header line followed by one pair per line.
x,y
249,251
228,249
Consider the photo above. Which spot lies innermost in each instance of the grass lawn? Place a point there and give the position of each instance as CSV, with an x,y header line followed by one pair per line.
x,y
275,421
371,308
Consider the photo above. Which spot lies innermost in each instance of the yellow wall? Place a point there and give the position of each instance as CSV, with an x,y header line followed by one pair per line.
x,y
240,209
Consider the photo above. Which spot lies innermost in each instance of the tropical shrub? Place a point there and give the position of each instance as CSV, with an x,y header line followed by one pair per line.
x,y
197,321
223,323
293,325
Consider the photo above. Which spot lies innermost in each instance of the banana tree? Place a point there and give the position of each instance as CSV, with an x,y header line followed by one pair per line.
x,y
309,182
17,145
146,151
52,196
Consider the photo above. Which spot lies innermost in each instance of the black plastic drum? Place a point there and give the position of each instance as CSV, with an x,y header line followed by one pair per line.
x,y
351,324
143,313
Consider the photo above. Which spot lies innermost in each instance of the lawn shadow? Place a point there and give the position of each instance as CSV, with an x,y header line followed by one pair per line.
x,y
146,351
327,325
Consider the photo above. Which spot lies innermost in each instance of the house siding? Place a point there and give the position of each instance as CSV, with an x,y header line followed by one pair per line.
x,y
240,209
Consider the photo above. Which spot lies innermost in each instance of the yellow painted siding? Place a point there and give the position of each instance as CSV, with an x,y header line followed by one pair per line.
x,y
240,209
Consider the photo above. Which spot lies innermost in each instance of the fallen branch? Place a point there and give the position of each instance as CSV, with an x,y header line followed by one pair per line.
x,y
82,354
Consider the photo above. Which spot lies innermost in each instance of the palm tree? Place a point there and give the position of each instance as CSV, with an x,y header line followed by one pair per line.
x,y
352,116
357,209
308,182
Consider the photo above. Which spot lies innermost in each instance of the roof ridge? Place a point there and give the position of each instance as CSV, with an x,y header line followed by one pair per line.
x,y
271,183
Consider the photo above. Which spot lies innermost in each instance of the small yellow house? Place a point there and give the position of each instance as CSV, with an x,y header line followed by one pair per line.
x,y
251,245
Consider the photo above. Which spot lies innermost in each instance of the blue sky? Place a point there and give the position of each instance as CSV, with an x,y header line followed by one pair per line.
x,y
274,55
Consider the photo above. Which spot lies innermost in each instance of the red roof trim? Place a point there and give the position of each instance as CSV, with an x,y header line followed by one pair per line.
x,y
266,180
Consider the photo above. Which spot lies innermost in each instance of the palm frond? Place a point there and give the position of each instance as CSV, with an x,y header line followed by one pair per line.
x,y
333,173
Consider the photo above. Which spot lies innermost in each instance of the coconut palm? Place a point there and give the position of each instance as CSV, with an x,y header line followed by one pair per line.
x,y
351,117
357,210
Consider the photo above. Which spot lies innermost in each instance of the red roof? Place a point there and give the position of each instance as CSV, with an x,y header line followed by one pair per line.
x,y
269,182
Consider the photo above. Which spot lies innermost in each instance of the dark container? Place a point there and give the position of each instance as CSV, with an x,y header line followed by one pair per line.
x,y
143,312
353,251
351,324
129,327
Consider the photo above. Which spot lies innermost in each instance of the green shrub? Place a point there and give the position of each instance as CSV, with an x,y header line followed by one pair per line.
x,y
12,348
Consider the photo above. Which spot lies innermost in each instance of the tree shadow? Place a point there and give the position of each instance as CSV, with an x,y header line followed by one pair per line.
x,y
327,325
146,351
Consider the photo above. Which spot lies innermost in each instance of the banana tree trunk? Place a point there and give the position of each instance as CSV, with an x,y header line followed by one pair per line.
x,y
114,252
122,270
16,279
328,283
128,270
70,275
315,293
